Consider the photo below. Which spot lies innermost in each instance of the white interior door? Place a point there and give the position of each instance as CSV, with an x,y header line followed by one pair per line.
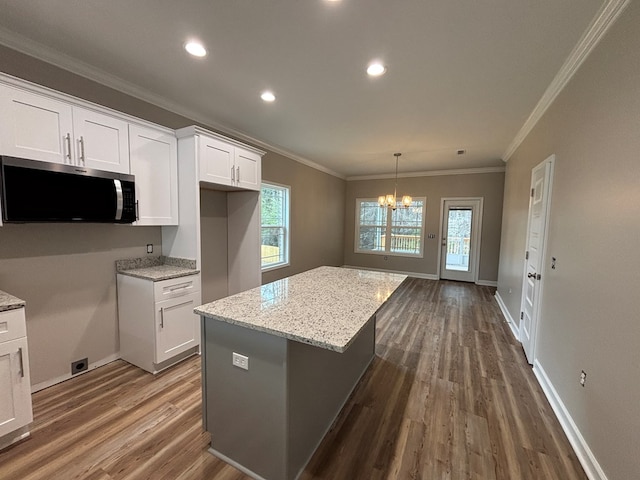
x,y
461,225
534,256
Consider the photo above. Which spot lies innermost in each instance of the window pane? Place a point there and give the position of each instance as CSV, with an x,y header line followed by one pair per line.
x,y
406,229
372,238
458,238
372,214
273,245
275,223
406,240
273,203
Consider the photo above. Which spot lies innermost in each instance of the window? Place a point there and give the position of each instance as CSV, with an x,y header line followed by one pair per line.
x,y
275,226
385,231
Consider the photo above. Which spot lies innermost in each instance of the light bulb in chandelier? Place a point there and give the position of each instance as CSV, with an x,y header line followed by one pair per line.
x,y
389,201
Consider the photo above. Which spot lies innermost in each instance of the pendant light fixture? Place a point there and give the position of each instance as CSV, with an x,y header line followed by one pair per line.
x,y
389,201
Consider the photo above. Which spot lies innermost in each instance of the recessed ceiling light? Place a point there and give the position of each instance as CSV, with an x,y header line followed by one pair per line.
x,y
195,48
268,96
376,69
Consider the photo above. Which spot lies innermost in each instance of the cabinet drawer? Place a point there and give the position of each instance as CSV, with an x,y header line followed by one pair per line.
x,y
176,287
12,325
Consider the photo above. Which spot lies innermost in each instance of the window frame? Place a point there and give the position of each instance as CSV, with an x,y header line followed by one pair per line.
x,y
286,226
387,229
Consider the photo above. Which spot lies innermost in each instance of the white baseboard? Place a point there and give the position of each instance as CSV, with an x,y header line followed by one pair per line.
x,y
583,452
507,316
427,276
487,283
92,366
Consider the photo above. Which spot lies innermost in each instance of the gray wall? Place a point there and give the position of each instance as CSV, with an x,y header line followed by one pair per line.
x,y
317,215
71,303
589,314
487,185
66,274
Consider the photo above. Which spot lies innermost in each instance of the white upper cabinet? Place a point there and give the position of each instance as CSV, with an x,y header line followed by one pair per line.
x,y
101,141
224,162
217,164
35,127
40,127
248,169
154,162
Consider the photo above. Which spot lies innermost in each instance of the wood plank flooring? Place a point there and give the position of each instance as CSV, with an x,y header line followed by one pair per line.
x,y
448,396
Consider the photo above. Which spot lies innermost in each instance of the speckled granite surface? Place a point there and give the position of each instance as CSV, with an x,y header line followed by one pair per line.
x,y
157,268
9,302
326,307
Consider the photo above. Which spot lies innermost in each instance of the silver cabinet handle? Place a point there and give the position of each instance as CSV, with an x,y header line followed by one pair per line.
x,y
233,174
238,174
21,362
82,150
172,306
67,139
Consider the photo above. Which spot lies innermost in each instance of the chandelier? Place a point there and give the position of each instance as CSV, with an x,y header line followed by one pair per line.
x,y
389,201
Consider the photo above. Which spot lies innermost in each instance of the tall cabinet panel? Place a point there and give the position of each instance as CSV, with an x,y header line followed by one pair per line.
x,y
200,154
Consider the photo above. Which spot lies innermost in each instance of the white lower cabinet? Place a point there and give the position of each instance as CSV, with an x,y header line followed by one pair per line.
x,y
15,386
157,325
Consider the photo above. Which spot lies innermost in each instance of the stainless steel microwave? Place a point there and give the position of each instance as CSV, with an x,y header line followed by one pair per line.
x,y
34,191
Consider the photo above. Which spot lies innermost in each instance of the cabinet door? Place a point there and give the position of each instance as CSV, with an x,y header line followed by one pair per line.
x,y
177,327
35,127
15,388
101,141
154,162
216,161
247,169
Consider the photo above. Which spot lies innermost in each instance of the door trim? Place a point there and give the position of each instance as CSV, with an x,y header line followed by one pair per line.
x,y
551,160
478,233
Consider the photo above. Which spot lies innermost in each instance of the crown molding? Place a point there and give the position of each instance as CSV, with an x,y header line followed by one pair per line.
x,y
605,18
24,45
431,173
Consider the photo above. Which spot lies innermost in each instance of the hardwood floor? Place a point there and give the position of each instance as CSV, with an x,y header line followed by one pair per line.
x,y
448,396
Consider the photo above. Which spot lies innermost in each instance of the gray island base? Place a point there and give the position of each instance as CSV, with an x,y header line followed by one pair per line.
x,y
308,339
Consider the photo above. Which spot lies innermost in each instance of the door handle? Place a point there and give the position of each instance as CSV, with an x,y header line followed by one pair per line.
x,y
233,174
534,276
238,174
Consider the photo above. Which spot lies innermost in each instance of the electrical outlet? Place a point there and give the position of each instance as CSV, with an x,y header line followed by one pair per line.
x,y
149,247
583,378
79,366
240,361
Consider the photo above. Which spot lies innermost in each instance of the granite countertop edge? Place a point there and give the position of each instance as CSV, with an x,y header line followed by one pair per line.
x,y
157,268
9,302
337,338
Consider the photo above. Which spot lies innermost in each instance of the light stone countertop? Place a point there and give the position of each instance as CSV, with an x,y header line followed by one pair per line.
x,y
156,268
325,307
9,302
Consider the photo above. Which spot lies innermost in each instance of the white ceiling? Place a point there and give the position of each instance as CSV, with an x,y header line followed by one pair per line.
x,y
461,73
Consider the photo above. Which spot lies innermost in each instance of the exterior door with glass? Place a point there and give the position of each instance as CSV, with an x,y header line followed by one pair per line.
x,y
461,225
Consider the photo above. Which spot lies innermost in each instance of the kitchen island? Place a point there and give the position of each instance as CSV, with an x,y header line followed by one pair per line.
x,y
280,360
